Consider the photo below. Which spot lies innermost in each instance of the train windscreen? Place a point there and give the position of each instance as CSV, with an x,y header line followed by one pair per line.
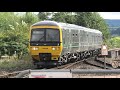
x,y
45,35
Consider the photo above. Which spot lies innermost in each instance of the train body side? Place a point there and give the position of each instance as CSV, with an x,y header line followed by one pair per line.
x,y
80,40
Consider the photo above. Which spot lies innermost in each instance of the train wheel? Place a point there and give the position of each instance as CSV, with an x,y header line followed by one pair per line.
x,y
69,57
81,56
78,56
65,59
39,67
60,61
59,64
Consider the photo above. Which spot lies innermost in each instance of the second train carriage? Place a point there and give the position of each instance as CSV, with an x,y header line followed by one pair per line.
x,y
56,43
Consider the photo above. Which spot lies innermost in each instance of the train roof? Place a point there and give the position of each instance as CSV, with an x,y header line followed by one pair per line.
x,y
46,23
79,27
65,25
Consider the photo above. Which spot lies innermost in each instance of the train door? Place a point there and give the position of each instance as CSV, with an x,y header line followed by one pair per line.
x,y
87,43
85,40
69,41
93,44
81,40
66,40
72,39
76,40
93,41
88,39
79,36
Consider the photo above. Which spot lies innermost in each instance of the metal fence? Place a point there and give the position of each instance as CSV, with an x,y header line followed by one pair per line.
x,y
75,71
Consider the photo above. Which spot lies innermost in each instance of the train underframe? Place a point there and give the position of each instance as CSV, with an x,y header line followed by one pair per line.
x,y
72,57
67,58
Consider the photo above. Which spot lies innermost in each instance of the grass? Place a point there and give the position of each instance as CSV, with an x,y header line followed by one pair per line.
x,y
16,65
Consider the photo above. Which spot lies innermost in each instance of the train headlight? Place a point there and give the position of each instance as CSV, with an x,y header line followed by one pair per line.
x,y
53,48
35,48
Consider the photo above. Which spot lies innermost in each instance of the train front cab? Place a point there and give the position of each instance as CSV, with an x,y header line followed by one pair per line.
x,y
45,44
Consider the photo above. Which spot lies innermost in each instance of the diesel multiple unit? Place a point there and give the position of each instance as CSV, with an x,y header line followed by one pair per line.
x,y
55,43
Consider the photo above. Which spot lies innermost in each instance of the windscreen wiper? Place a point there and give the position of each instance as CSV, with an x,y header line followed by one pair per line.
x,y
41,38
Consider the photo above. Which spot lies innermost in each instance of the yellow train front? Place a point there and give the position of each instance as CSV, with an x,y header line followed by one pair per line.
x,y
45,43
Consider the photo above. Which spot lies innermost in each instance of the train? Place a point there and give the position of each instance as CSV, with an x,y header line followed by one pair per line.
x,y
57,43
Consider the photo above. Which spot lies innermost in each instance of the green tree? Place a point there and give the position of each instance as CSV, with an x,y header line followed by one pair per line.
x,y
115,42
94,21
83,18
29,18
44,15
66,17
14,32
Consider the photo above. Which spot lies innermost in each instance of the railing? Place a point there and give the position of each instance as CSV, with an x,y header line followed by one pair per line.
x,y
75,71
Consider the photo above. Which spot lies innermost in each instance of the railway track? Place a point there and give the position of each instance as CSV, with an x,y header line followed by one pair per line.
x,y
66,66
90,61
13,74
98,63
69,65
84,62
9,75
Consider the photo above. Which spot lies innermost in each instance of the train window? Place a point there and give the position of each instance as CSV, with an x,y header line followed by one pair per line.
x,y
37,35
52,35
38,32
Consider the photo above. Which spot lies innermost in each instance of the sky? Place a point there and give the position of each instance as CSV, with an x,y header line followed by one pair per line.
x,y
105,15
110,15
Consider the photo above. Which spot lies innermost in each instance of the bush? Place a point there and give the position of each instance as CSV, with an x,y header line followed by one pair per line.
x,y
15,65
14,33
115,42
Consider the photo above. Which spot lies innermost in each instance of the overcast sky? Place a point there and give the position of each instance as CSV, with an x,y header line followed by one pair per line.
x,y
110,15
106,15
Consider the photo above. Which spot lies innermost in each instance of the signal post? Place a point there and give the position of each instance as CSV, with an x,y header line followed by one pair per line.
x,y
104,52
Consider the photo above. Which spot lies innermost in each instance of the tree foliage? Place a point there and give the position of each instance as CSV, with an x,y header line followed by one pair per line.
x,y
14,32
115,42
29,18
44,15
93,20
65,17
